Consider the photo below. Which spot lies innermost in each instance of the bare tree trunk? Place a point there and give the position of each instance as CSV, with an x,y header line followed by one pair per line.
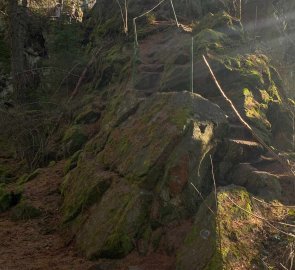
x,y
17,28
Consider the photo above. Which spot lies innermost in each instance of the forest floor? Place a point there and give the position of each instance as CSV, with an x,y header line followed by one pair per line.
x,y
38,243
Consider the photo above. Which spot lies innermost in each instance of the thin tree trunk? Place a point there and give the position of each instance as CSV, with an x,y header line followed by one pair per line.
x,y
17,29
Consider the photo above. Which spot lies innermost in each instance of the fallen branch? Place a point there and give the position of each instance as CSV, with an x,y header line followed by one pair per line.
x,y
282,206
284,267
216,201
262,218
3,13
125,20
83,75
204,201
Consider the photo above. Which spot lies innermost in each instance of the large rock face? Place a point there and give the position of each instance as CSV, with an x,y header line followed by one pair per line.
x,y
146,162
131,182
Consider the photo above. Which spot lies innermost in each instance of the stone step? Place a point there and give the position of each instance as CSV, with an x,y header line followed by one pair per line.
x,y
264,160
233,152
147,80
268,163
261,183
238,131
244,150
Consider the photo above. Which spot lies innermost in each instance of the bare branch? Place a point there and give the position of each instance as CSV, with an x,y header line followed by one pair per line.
x,y
244,123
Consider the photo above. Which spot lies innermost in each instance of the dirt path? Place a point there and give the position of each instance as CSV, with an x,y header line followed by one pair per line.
x,y
36,244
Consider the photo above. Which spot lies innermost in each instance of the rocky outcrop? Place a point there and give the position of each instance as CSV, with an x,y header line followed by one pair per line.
x,y
131,183
141,176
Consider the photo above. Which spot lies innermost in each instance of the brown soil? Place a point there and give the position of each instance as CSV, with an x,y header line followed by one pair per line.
x,y
36,244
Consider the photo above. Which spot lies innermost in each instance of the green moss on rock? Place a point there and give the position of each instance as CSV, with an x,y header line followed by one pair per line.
x,y
221,21
72,162
201,249
250,84
25,211
87,116
115,223
158,123
138,151
118,245
83,187
74,138
28,177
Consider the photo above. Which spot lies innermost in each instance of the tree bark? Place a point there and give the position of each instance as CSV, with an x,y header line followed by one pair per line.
x,y
17,22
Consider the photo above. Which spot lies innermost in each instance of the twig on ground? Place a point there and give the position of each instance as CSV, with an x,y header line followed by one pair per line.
x,y
216,201
3,13
284,267
262,218
200,194
283,206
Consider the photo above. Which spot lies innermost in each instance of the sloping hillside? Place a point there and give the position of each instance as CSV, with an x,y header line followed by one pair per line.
x,y
135,159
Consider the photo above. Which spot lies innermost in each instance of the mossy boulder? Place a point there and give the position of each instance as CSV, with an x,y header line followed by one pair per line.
x,y
82,187
221,241
115,222
25,211
73,139
28,177
148,159
121,105
87,116
51,163
157,127
72,162
252,84
225,26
